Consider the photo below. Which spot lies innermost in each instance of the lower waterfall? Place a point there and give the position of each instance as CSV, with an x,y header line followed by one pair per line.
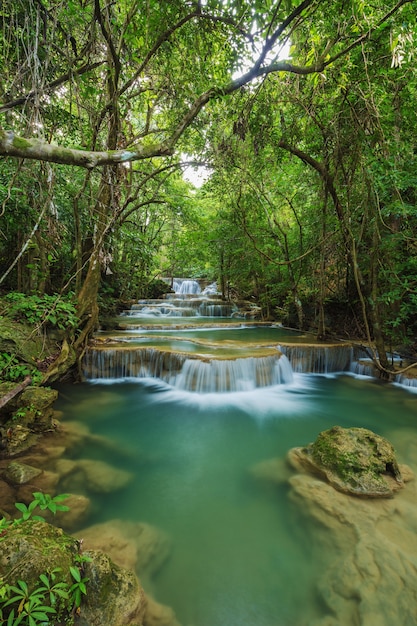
x,y
190,374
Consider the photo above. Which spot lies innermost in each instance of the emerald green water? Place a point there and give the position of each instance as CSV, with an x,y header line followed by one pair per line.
x,y
241,550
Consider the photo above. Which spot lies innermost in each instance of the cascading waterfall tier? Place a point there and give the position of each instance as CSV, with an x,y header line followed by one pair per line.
x,y
175,305
318,359
184,372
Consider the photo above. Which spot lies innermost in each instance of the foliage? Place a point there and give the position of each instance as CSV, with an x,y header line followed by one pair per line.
x,y
12,369
313,191
37,310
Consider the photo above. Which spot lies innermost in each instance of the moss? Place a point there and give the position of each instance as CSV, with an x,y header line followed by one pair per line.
x,y
21,144
357,456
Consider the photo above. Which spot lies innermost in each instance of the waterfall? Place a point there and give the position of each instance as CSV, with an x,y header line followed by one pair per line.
x,y
130,363
186,286
182,372
209,308
317,359
406,381
236,375
363,367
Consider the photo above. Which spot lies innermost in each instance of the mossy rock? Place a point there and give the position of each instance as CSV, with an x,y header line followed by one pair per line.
x,y
353,460
32,548
114,595
21,340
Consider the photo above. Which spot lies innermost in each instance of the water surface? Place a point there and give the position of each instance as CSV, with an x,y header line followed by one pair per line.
x,y
240,553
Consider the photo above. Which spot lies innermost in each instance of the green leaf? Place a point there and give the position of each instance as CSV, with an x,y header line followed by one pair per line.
x,y
21,507
75,572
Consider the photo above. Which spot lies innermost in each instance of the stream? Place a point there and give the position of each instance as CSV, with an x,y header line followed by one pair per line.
x,y
242,551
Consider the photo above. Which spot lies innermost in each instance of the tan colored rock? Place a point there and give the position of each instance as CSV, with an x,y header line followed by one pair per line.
x,y
7,498
132,545
20,473
274,471
157,614
46,482
79,511
365,551
63,467
92,476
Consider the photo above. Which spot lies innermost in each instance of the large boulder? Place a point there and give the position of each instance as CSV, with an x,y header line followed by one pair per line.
x,y
353,460
364,549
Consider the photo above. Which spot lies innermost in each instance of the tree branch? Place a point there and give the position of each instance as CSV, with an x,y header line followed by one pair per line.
x,y
55,83
17,147
21,148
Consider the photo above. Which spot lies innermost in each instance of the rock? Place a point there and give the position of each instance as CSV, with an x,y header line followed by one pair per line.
x,y
157,614
132,545
114,595
19,439
63,467
45,482
20,473
79,510
94,476
28,549
7,498
364,552
353,460
275,471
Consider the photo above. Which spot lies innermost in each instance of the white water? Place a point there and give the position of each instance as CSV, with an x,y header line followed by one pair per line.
x,y
202,376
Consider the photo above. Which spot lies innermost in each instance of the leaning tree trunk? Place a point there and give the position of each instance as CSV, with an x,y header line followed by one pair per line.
x,y
106,206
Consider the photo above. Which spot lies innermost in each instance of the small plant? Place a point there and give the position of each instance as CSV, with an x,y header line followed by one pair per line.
x,y
45,502
54,590
78,588
31,608
24,410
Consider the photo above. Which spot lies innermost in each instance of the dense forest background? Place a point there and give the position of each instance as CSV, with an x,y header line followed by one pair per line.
x,y
302,116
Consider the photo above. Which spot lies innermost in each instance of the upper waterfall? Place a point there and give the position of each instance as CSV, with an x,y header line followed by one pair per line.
x,y
186,286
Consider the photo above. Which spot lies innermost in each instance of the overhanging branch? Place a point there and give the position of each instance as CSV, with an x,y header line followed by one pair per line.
x,y
18,147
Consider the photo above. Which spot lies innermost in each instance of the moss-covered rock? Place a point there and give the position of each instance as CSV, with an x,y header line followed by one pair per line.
x,y
25,417
23,342
353,460
114,595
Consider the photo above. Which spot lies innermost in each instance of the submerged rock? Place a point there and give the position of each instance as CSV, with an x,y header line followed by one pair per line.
x,y
20,473
352,460
92,475
364,551
133,545
139,547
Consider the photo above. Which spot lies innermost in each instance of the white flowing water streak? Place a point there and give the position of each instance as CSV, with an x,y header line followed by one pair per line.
x,y
186,286
236,375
